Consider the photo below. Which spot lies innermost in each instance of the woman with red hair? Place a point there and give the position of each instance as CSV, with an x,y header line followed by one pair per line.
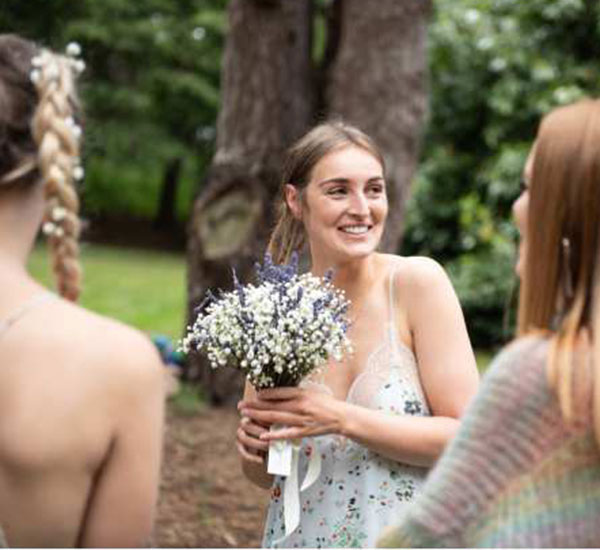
x,y
524,468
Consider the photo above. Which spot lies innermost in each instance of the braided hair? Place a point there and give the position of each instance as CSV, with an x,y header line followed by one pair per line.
x,y
39,142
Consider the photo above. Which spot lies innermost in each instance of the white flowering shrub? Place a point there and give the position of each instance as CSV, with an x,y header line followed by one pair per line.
x,y
275,332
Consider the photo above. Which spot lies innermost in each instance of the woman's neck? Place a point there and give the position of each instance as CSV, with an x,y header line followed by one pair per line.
x,y
15,281
354,277
20,217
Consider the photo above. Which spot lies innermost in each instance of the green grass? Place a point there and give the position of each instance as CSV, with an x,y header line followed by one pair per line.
x,y
189,400
141,288
483,358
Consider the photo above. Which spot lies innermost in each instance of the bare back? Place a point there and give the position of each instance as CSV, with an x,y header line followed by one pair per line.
x,y
80,416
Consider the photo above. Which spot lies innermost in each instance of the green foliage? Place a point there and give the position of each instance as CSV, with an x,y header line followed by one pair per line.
x,y
140,288
484,359
188,401
486,286
150,91
496,67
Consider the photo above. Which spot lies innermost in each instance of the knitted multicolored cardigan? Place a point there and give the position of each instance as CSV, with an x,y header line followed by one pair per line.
x,y
515,475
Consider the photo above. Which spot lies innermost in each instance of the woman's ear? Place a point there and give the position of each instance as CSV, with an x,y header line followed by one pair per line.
x,y
292,199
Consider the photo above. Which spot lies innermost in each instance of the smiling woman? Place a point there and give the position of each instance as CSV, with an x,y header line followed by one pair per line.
x,y
348,205
385,413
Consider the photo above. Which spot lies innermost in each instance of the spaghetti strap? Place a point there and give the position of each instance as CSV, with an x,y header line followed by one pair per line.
x,y
33,302
391,307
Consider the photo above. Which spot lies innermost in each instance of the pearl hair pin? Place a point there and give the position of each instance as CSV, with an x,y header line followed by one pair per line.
x,y
46,68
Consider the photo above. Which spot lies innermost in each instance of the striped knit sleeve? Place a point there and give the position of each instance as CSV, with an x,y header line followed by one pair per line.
x,y
497,435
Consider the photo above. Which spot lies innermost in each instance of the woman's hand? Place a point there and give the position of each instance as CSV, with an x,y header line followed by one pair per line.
x,y
302,412
249,444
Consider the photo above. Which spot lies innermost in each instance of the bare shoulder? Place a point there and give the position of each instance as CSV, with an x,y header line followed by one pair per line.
x,y
131,349
418,273
105,345
125,349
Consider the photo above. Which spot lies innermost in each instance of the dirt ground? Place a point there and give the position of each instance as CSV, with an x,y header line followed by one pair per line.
x,y
205,501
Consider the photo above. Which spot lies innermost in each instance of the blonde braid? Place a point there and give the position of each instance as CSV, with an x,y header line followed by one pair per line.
x,y
57,137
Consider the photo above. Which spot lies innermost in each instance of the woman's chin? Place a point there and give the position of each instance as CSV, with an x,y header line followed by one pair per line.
x,y
358,250
359,246
345,254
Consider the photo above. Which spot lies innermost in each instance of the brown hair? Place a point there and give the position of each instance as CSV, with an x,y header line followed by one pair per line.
x,y
38,144
301,158
556,292
596,352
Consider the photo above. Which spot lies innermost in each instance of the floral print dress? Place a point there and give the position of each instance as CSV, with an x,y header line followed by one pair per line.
x,y
359,492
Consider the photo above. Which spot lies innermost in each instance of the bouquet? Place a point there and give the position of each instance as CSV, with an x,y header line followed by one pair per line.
x,y
276,332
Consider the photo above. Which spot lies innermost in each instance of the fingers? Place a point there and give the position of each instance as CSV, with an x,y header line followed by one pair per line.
x,y
260,404
268,399
275,417
298,405
251,448
242,405
247,456
249,442
262,424
296,432
285,433
252,428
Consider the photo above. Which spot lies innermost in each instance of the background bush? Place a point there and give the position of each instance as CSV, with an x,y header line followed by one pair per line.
x,y
496,67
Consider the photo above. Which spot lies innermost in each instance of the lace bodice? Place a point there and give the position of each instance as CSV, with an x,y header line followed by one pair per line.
x,y
389,354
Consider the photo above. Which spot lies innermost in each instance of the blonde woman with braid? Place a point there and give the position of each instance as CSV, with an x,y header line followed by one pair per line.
x,y
380,418
81,396
524,469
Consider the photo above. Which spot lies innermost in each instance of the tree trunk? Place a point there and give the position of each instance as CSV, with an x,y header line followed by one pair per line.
x,y
372,74
266,105
378,83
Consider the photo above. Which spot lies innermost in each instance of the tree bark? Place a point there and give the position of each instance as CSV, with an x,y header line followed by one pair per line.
x,y
266,104
378,83
372,74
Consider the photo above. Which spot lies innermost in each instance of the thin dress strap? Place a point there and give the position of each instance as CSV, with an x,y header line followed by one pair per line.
x,y
31,303
392,308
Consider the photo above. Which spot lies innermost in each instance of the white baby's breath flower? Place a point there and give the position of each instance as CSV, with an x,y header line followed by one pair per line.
x,y
275,332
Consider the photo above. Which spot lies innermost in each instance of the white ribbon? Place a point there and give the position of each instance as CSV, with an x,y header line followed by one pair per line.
x,y
291,492
280,455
